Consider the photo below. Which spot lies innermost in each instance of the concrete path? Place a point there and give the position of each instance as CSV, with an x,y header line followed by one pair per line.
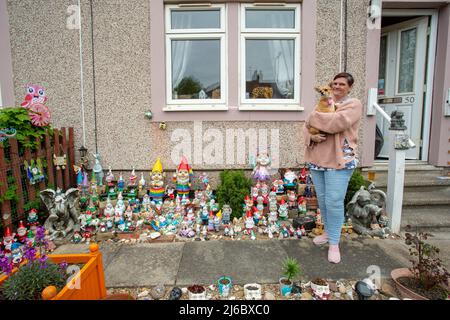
x,y
203,262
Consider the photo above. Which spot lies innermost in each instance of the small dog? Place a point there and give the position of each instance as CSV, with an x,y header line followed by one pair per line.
x,y
326,103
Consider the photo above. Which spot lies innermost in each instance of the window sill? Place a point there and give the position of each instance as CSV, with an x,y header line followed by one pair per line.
x,y
176,108
279,107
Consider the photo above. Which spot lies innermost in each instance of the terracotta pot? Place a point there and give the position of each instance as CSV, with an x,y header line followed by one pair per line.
x,y
404,291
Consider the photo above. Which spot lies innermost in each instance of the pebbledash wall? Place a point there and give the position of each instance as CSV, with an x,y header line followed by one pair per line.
x,y
123,59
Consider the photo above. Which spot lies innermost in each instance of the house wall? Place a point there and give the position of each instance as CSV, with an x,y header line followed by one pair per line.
x,y
46,51
6,76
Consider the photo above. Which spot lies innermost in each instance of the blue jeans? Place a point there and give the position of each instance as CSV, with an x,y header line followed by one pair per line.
x,y
331,187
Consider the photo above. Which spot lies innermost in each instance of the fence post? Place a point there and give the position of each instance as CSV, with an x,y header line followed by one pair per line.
x,y
49,157
396,173
71,155
15,166
59,176
65,150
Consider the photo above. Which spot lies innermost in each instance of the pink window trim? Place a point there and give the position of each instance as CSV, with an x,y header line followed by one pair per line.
x,y
157,67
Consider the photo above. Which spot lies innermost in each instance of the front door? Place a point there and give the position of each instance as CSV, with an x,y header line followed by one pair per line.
x,y
401,80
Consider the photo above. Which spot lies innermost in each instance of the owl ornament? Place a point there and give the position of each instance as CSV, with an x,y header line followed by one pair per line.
x,y
34,102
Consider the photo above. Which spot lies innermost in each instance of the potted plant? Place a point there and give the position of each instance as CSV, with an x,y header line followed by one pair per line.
x,y
252,291
196,292
291,268
224,284
320,288
47,277
427,278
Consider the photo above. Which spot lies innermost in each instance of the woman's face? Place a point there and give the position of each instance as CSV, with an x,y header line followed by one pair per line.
x,y
340,88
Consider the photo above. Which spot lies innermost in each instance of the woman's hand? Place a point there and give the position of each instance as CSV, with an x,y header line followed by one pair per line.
x,y
318,138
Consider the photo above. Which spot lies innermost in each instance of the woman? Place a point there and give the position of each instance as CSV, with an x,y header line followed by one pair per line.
x,y
331,155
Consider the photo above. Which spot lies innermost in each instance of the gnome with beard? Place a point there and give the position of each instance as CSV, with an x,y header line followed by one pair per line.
x,y
157,182
183,178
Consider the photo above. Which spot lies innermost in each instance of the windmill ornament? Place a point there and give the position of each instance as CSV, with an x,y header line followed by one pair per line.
x,y
34,102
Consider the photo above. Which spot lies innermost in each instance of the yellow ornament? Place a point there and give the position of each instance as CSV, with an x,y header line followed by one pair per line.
x,y
158,166
219,214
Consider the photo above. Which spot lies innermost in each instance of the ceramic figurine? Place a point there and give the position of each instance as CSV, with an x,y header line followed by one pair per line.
x,y
213,206
109,208
142,182
157,182
303,176
21,233
278,185
270,234
249,222
120,183
308,192
204,232
263,221
16,254
98,170
272,197
128,214
303,230
204,180
204,215
85,183
183,177
261,167
226,230
252,235
211,222
32,219
292,199
34,171
208,192
302,205
30,242
256,216
298,233
255,193
217,221
273,214
102,226
283,210
109,177
248,204
285,231
290,179
8,240
265,193
318,217
133,178
226,214
291,231
260,204
231,232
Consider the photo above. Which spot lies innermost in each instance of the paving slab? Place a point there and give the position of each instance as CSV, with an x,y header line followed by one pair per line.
x,y
204,262
144,265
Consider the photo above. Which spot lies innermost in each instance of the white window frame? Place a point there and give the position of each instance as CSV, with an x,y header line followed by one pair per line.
x,y
267,33
195,34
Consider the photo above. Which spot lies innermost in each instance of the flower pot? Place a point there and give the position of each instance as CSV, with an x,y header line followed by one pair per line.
x,y
196,292
224,284
404,291
321,291
252,291
285,286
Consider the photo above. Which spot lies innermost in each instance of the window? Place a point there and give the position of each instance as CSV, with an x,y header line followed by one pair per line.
x,y
270,57
195,58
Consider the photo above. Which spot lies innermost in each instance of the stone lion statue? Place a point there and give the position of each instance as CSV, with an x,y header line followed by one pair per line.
x,y
367,213
63,212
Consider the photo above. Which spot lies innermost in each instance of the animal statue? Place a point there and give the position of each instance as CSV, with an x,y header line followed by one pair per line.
x,y
326,104
35,94
63,212
366,211
98,170
34,102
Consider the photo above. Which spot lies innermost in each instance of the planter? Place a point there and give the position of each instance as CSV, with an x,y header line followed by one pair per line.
x,y
196,292
252,291
285,286
404,291
321,291
224,284
88,284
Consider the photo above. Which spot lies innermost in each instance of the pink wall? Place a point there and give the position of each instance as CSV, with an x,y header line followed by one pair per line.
x,y
440,125
6,75
157,41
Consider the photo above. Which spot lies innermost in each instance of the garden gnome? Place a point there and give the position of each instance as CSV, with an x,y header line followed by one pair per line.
x,y
290,179
32,219
292,197
21,233
142,182
249,222
283,210
157,181
211,222
109,177
120,183
248,204
133,178
30,242
8,240
183,178
98,170
226,214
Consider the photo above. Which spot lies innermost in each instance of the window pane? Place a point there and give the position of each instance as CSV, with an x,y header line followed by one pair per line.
x,y
382,66
269,69
407,61
195,69
269,18
200,19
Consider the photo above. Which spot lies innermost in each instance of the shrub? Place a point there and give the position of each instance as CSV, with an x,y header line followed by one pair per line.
x,y
188,85
291,268
233,188
428,268
355,183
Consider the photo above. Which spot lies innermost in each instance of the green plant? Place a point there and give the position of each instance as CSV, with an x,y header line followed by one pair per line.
x,y
31,279
10,194
428,268
291,268
233,188
356,182
188,85
28,135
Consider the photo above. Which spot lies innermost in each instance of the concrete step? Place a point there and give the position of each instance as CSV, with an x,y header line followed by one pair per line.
x,y
427,218
427,198
414,179
409,166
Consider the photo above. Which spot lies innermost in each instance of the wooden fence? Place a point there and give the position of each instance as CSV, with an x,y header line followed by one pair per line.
x,y
13,174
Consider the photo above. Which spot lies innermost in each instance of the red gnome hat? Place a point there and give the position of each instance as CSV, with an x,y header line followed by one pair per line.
x,y
249,214
183,164
282,201
7,232
247,198
21,225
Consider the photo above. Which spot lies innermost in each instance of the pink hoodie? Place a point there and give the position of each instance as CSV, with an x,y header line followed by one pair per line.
x,y
339,125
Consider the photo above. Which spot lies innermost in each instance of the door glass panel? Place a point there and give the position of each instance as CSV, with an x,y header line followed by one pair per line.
x,y
382,66
196,69
407,61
